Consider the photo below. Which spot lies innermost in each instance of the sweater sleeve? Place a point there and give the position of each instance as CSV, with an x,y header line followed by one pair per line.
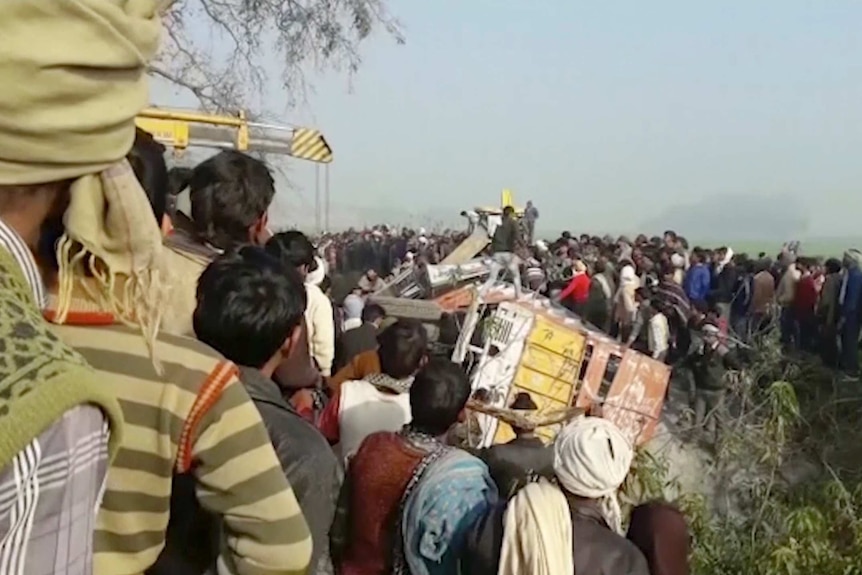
x,y
569,289
240,479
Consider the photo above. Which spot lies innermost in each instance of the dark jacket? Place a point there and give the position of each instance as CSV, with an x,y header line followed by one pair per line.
x,y
353,342
708,367
505,236
511,463
308,462
597,550
724,284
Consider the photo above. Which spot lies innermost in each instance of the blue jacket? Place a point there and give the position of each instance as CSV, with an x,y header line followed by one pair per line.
x,y
697,283
852,294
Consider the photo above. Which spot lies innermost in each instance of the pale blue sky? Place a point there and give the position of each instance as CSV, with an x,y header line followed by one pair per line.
x,y
603,113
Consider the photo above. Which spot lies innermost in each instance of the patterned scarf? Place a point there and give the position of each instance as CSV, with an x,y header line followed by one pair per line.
x,y
389,383
435,450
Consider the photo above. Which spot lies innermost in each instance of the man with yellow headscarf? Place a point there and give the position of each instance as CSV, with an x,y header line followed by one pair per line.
x,y
74,77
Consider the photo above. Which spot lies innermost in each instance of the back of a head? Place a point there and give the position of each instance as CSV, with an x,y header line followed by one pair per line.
x,y
293,249
248,305
403,348
147,158
437,396
592,458
508,211
661,532
230,193
537,533
373,312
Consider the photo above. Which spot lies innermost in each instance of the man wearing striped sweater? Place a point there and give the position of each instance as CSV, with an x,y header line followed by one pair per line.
x,y
68,118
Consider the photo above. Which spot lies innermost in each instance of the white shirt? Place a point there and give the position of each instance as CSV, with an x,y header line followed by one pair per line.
x,y
364,409
320,324
658,335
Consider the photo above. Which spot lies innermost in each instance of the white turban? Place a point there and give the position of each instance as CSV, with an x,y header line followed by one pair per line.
x,y
316,277
677,261
592,458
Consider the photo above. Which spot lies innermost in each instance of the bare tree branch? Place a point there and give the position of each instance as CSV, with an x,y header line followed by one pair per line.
x,y
222,59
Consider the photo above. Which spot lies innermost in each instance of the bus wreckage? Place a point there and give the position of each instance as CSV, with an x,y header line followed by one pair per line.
x,y
533,345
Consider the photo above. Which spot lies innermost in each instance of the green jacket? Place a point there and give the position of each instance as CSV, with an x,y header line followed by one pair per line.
x,y
40,377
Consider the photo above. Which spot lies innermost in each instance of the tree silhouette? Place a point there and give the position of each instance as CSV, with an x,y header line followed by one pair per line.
x,y
218,49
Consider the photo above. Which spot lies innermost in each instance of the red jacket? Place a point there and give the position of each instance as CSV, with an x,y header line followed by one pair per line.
x,y
578,289
805,299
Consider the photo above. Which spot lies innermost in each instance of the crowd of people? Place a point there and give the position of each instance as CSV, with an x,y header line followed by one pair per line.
x,y
180,394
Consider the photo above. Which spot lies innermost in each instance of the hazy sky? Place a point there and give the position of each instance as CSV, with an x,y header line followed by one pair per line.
x,y
605,114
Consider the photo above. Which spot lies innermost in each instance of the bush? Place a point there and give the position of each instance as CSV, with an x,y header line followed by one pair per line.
x,y
787,414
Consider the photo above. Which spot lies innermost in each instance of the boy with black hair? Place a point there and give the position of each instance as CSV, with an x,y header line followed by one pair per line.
x,y
250,309
379,401
294,249
230,195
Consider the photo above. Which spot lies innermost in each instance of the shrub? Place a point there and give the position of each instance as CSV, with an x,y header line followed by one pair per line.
x,y
787,414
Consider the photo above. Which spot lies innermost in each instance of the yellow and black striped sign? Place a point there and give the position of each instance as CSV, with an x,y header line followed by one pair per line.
x,y
310,145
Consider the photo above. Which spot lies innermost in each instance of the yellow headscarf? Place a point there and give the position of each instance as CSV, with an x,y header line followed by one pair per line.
x,y
73,77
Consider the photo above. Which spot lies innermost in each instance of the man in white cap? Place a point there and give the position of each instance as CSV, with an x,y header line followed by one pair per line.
x,y
592,458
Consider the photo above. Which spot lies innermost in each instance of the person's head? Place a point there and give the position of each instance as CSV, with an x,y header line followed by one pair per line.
x,y
230,195
353,307
67,123
148,162
833,266
600,266
371,274
529,203
438,396
508,212
374,314
592,458
250,308
403,348
579,267
293,249
661,532
523,402
852,258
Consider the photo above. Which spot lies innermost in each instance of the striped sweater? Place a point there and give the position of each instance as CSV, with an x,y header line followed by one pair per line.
x,y
238,475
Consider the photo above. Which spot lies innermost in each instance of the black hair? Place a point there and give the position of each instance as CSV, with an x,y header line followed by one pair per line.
x,y
293,249
248,304
403,346
508,211
147,158
229,193
437,396
833,266
372,312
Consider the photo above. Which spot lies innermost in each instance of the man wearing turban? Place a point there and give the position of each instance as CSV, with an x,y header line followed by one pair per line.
x,y
74,78
592,458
